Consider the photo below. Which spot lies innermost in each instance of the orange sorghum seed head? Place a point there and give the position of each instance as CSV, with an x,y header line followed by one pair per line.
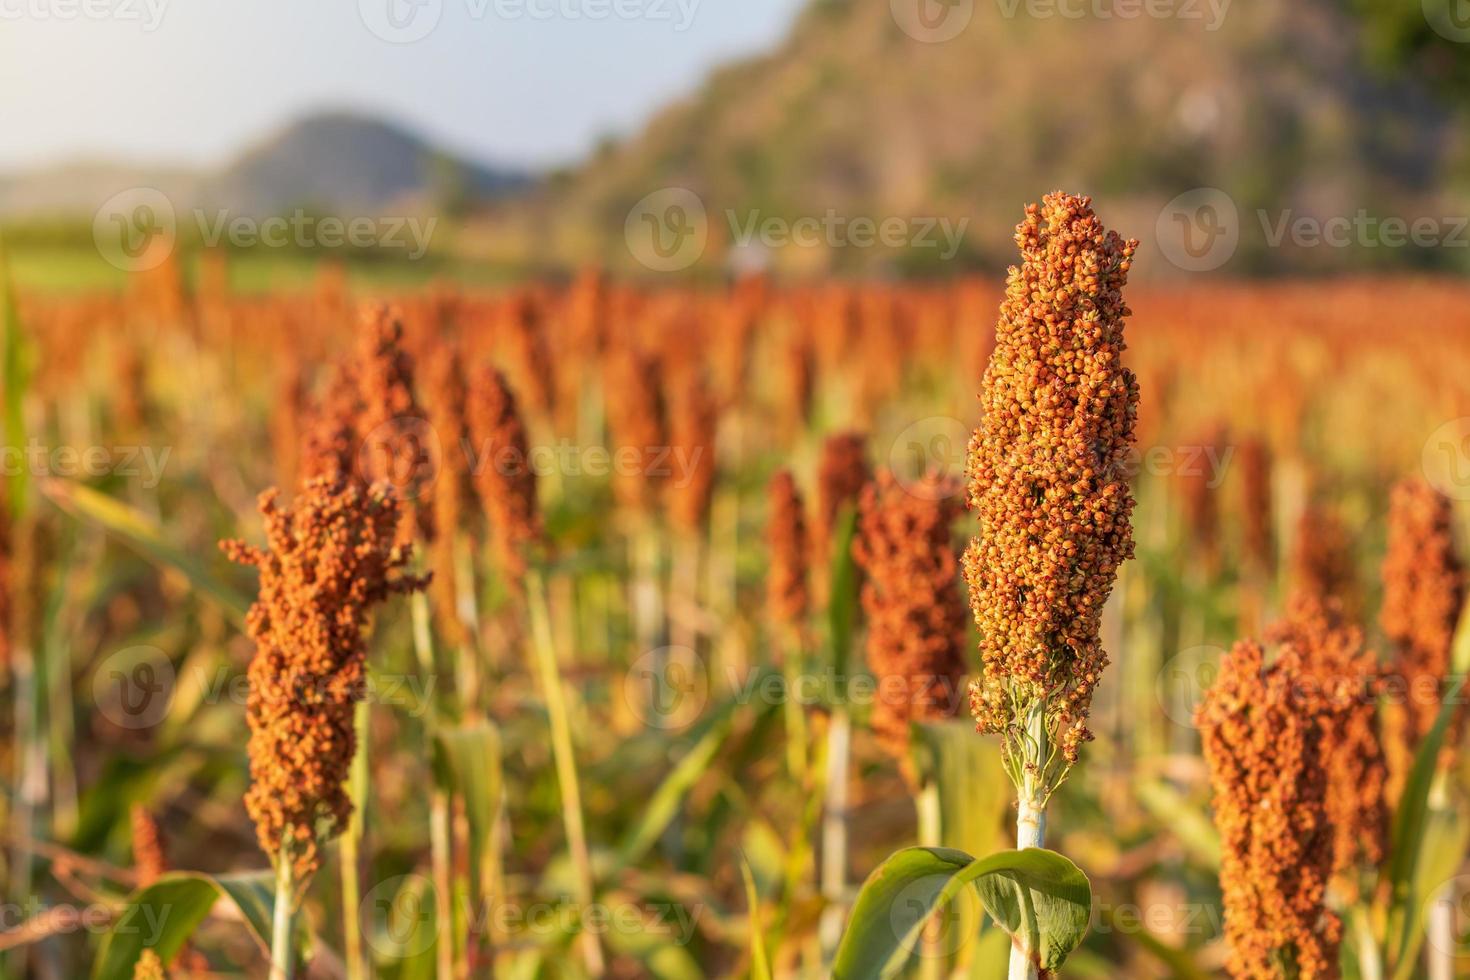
x,y
1423,593
1200,499
916,615
842,474
693,418
1261,732
635,415
149,967
503,473
1255,500
1322,565
787,597
524,331
148,858
1048,474
395,441
329,558
1345,673
454,491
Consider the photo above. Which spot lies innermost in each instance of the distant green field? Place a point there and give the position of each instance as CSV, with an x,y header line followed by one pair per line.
x,y
70,267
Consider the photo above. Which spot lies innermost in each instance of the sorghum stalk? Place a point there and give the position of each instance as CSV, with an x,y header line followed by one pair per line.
x,y
843,473
544,648
1423,592
1048,481
787,604
283,957
693,418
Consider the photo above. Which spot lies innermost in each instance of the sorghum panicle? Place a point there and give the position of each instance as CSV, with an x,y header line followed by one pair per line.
x,y
1048,474
841,476
525,336
329,558
503,474
1322,566
1256,507
393,428
693,418
1261,732
454,492
1345,674
1201,501
149,862
1423,593
149,967
916,614
787,595
635,416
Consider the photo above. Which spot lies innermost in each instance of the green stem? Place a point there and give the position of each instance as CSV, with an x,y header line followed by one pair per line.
x,y
351,851
544,648
423,644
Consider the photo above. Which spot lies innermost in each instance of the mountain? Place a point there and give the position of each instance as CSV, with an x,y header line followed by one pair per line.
x,y
1272,103
338,163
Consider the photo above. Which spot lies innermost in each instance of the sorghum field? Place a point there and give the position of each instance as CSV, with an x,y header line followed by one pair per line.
x,y
1018,626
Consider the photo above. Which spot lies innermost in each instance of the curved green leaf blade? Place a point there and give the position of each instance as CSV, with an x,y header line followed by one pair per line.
x,y
760,964
1409,823
144,535
164,915
1040,895
1035,892
472,755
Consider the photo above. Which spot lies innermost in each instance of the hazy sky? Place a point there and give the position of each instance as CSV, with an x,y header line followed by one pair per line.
x,y
191,81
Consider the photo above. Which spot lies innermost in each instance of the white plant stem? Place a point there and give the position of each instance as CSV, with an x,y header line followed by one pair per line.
x,y
834,834
281,959
1030,821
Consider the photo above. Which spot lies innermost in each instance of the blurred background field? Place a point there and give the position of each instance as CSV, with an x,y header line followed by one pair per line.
x,y
616,763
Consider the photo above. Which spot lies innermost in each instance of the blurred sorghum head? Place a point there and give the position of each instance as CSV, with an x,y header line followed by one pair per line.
x,y
787,593
503,473
1261,728
916,614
